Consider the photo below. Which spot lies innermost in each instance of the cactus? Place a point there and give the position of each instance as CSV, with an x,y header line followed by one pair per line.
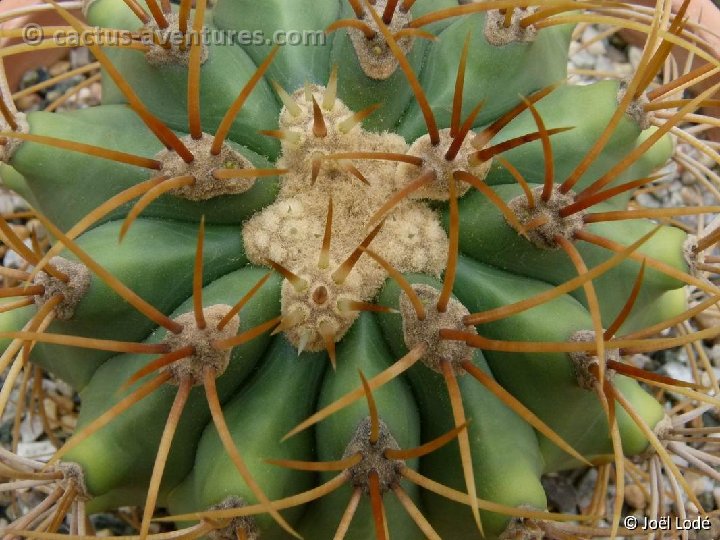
x,y
372,285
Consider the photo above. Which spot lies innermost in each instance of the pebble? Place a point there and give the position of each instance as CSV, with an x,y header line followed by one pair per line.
x,y
9,203
51,411
605,64
585,488
34,77
96,89
21,231
709,319
6,427
682,372
42,98
635,497
688,178
67,84
39,451
68,423
52,95
606,55
708,534
617,52
634,55
79,57
706,380
648,199
561,494
62,388
701,485
582,58
596,48
13,260
111,525
641,361
35,226
29,103
678,371
705,496
85,98
64,403
690,197
30,428
59,68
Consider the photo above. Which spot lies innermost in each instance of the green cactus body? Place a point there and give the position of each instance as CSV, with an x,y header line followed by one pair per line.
x,y
587,109
110,445
209,482
492,243
225,71
313,212
362,349
88,192
516,68
284,16
538,374
507,467
358,91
